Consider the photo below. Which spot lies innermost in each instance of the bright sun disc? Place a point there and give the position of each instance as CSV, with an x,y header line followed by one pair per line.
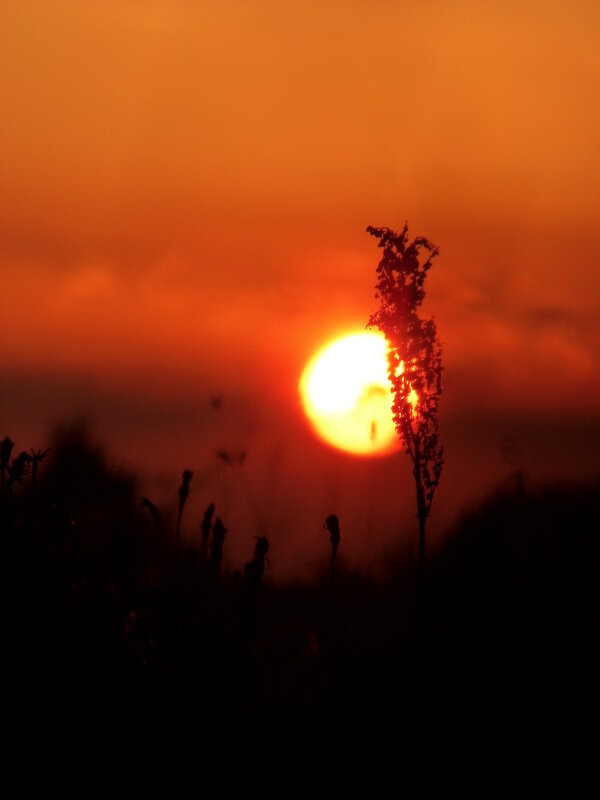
x,y
346,395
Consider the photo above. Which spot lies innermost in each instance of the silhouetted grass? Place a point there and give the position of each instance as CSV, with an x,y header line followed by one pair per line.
x,y
122,650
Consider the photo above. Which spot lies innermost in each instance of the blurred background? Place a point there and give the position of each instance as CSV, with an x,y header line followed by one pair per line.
x,y
184,192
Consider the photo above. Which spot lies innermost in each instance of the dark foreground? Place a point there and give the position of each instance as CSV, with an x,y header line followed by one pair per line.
x,y
128,659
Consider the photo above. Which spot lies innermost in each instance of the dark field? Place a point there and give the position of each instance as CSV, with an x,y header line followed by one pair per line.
x,y
129,658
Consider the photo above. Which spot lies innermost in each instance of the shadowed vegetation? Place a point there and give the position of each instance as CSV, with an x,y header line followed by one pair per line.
x,y
414,360
124,650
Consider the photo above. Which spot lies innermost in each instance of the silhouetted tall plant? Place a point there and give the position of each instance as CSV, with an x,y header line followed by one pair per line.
x,y
184,491
414,360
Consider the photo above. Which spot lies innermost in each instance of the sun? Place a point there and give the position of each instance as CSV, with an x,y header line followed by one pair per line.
x,y
346,395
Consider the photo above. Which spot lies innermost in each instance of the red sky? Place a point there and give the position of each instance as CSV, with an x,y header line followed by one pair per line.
x,y
184,192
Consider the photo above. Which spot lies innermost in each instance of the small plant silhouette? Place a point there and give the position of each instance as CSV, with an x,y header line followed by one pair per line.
x,y
35,458
18,469
205,527
254,569
154,513
333,526
216,548
5,453
184,491
414,360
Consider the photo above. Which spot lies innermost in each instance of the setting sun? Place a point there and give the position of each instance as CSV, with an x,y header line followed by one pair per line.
x,y
346,395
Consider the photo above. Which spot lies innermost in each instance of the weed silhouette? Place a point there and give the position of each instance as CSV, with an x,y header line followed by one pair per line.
x,y
154,513
333,526
254,569
205,528
184,491
5,452
36,457
414,360
216,548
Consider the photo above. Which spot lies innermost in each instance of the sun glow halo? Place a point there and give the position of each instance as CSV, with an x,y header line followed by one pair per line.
x,y
346,395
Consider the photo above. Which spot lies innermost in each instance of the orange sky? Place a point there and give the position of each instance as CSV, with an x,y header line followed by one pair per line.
x,y
185,186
